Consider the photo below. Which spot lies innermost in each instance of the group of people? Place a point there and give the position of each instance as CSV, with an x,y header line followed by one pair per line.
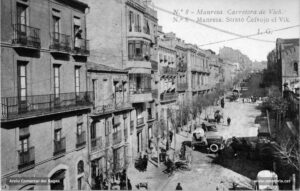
x,y
251,99
118,181
142,163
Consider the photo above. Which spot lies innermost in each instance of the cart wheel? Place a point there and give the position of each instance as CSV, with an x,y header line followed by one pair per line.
x,y
214,148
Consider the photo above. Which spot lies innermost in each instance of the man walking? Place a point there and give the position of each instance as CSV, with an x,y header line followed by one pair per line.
x,y
228,121
178,187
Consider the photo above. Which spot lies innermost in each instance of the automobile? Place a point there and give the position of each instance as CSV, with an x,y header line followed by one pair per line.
x,y
208,137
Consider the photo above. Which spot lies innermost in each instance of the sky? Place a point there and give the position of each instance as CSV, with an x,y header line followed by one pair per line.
x,y
242,17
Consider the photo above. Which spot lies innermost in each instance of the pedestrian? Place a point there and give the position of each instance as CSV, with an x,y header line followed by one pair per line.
x,y
178,187
222,102
129,187
228,121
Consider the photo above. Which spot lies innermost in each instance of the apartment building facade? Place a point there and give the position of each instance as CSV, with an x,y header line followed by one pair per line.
x,y
45,101
128,42
110,121
198,72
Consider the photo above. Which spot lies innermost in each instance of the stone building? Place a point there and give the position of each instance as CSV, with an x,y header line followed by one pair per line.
x,y
198,72
287,51
110,121
45,101
127,41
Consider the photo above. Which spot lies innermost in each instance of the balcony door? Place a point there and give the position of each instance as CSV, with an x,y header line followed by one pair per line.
x,y
22,86
56,85
56,29
22,21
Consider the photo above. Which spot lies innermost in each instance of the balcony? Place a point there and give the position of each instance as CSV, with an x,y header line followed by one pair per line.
x,y
96,144
165,97
137,28
168,70
155,94
150,118
81,47
40,105
26,37
60,43
26,158
117,137
182,67
140,121
59,146
154,65
81,141
182,86
139,95
111,107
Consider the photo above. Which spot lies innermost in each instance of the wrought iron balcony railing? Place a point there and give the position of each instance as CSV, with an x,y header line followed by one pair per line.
x,y
26,158
117,137
168,96
140,121
14,107
169,70
60,42
26,36
96,144
81,47
140,90
182,86
59,146
111,106
137,28
155,93
81,140
154,65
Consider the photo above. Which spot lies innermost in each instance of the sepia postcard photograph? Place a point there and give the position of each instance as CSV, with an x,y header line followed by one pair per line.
x,y
160,95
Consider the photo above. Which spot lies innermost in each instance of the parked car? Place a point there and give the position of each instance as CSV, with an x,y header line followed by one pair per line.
x,y
209,138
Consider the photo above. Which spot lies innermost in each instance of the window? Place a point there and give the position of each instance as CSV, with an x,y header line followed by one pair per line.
x,y
24,139
131,21
56,27
80,167
79,124
93,131
56,81
57,135
107,127
138,50
138,23
139,142
131,50
22,18
22,81
77,80
296,67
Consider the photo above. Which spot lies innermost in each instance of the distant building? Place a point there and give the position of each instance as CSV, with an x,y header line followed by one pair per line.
x,y
287,51
44,95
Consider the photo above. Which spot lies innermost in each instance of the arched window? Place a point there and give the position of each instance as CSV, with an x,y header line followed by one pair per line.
x,y
80,167
296,67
